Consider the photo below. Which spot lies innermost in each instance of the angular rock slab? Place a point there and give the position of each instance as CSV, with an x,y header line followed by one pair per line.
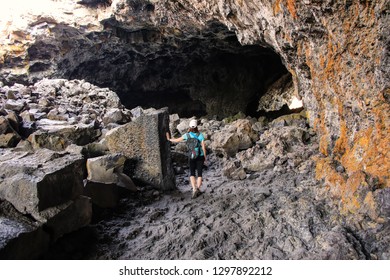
x,y
23,238
73,216
58,135
101,194
8,136
33,182
144,142
102,169
19,240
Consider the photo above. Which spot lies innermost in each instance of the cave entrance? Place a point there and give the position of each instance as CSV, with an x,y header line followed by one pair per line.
x,y
204,73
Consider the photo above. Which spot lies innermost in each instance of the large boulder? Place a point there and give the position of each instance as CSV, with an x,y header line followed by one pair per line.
x,y
33,182
57,135
21,240
22,237
71,216
103,169
105,176
104,195
8,136
237,136
144,142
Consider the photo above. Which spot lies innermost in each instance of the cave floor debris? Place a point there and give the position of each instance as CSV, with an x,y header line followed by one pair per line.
x,y
269,215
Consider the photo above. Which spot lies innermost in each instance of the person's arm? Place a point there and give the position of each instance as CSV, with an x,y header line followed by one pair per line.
x,y
204,150
174,140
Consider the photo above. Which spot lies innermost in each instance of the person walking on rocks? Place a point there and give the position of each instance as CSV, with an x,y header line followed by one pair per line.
x,y
197,154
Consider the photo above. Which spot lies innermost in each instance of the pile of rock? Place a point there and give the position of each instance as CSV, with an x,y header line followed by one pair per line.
x,y
250,145
105,177
223,138
63,147
46,186
57,113
281,147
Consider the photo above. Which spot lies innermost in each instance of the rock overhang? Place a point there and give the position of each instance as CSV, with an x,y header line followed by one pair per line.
x,y
149,55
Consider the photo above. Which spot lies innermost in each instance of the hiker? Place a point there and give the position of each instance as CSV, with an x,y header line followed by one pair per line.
x,y
197,154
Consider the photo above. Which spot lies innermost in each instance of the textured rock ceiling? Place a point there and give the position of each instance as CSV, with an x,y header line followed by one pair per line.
x,y
139,50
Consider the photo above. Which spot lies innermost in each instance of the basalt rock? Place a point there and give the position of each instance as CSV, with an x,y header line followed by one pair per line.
x,y
233,170
71,217
102,169
143,141
34,182
58,113
59,135
21,240
40,201
336,52
105,176
279,94
8,136
234,137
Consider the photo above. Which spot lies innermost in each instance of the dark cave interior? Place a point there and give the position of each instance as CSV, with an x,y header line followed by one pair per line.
x,y
205,74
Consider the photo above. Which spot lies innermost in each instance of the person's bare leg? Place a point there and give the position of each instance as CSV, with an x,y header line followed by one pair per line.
x,y
199,183
193,183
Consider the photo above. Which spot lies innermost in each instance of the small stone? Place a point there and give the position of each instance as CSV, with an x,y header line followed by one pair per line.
x,y
340,169
15,105
11,95
27,116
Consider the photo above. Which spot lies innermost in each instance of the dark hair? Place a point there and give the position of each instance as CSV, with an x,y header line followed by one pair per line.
x,y
193,129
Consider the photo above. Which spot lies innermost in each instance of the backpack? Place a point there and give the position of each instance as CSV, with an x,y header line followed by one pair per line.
x,y
193,145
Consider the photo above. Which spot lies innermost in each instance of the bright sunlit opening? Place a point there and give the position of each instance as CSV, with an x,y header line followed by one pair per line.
x,y
295,103
15,10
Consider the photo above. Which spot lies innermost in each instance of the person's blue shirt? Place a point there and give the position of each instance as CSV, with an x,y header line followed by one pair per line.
x,y
194,135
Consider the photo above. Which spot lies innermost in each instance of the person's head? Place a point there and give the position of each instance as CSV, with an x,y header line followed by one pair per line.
x,y
193,126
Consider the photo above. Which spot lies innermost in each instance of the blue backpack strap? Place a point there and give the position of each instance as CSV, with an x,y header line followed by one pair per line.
x,y
196,136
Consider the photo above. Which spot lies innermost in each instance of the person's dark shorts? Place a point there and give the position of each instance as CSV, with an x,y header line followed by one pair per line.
x,y
196,164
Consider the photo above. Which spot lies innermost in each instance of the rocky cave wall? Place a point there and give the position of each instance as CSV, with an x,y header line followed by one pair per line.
x,y
336,51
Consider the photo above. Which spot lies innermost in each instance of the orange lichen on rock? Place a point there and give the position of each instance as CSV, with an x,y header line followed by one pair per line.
x,y
291,8
334,180
324,144
345,85
323,131
277,7
341,144
371,149
349,193
352,191
371,205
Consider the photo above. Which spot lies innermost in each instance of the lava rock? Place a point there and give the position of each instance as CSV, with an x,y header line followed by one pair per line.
x,y
44,179
144,141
